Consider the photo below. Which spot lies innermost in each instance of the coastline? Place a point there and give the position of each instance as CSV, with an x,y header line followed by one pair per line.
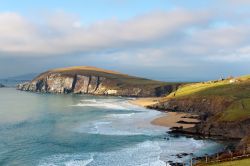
x,y
169,119
175,119
144,102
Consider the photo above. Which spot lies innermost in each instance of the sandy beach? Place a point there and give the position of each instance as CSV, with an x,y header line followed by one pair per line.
x,y
169,119
144,102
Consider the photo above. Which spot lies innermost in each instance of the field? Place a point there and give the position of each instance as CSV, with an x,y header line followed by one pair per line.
x,y
243,162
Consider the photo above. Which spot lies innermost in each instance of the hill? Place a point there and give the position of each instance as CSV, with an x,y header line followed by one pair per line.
x,y
92,80
235,91
22,77
223,106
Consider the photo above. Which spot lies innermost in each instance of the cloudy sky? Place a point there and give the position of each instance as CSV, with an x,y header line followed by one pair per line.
x,y
172,40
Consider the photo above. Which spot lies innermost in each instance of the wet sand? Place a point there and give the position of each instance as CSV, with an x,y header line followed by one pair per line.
x,y
169,119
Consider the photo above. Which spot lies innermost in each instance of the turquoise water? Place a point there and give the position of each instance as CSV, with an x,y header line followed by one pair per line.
x,y
46,129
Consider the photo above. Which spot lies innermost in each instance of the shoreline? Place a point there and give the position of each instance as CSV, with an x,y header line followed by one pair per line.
x,y
179,120
144,102
175,119
169,119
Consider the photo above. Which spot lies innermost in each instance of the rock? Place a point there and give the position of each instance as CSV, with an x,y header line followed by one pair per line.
x,y
181,155
244,145
185,122
1,86
206,109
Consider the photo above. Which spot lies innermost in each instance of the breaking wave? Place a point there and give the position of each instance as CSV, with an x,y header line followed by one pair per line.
x,y
142,154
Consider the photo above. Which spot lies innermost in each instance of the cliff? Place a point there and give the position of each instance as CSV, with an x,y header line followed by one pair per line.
x,y
223,107
91,80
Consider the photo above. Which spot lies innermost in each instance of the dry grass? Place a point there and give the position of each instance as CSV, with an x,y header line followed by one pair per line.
x,y
122,80
88,68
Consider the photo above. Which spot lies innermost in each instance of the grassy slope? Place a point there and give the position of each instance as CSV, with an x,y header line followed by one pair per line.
x,y
243,162
122,79
238,92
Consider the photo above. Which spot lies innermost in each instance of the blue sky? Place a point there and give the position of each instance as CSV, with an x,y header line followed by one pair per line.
x,y
89,10
170,40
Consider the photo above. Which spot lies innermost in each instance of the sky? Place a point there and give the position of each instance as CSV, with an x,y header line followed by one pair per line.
x,y
169,40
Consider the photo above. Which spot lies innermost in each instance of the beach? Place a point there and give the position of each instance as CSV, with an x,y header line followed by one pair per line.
x,y
171,119
144,102
168,119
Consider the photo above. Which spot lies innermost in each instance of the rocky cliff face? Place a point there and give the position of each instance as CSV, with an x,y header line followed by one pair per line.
x,y
209,110
97,84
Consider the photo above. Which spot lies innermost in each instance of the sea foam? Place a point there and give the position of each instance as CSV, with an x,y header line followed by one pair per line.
x,y
67,160
116,104
143,154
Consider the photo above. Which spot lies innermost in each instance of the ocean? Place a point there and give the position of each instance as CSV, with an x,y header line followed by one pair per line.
x,y
83,130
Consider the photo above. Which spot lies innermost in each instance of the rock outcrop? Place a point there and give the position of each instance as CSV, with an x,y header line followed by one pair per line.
x,y
89,80
209,110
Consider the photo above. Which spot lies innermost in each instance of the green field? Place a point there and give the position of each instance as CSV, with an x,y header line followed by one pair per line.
x,y
243,162
236,90
239,109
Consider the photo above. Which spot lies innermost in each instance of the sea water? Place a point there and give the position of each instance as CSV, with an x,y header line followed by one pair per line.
x,y
83,130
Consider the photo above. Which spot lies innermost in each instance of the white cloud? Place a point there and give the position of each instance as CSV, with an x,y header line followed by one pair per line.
x,y
174,38
238,2
241,54
62,33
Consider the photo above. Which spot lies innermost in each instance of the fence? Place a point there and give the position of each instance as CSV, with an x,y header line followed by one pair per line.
x,y
223,157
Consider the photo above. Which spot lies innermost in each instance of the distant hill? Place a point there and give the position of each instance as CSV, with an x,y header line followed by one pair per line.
x,y
13,81
29,76
92,80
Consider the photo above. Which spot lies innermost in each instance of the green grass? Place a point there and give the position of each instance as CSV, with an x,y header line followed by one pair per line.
x,y
243,162
237,92
194,88
238,110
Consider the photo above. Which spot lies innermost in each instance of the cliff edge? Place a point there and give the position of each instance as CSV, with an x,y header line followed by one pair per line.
x,y
223,107
96,81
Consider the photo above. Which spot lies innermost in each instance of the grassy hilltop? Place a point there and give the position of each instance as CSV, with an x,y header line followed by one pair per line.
x,y
123,79
235,90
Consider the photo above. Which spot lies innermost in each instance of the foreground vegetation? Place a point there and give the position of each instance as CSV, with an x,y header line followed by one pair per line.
x,y
243,162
